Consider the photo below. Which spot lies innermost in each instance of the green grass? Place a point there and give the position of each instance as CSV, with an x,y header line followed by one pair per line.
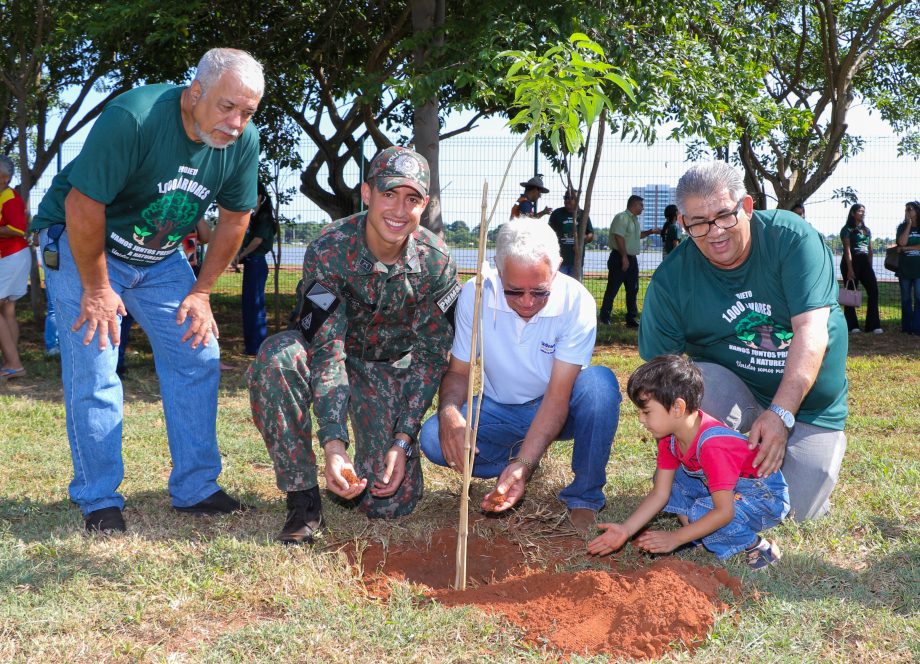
x,y
180,589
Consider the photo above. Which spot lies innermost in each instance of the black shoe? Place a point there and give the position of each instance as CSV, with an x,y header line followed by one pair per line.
x,y
105,521
304,517
217,503
632,324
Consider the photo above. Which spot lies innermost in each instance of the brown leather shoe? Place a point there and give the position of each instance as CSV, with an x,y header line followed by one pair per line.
x,y
583,520
304,517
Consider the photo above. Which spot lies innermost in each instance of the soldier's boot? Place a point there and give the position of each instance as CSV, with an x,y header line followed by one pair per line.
x,y
304,517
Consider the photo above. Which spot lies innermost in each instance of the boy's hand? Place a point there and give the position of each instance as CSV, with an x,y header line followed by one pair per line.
x,y
614,537
658,541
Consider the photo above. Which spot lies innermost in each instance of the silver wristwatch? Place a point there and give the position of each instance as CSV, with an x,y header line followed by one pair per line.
x,y
787,417
404,446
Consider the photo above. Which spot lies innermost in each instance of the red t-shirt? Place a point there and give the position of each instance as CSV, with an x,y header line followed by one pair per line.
x,y
723,459
13,215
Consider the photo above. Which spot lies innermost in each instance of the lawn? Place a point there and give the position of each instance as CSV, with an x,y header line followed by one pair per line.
x,y
183,589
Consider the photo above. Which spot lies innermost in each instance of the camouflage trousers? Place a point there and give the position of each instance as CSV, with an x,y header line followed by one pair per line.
x,y
280,396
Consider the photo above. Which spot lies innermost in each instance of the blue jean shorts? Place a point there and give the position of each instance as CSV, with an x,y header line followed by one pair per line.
x,y
760,503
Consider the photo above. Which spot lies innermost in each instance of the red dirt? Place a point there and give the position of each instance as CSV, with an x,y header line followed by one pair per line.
x,y
637,614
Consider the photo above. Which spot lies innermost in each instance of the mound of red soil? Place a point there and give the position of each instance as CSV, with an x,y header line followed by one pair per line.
x,y
640,613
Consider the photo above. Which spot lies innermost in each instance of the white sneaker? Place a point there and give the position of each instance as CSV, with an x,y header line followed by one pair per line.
x,y
878,330
856,330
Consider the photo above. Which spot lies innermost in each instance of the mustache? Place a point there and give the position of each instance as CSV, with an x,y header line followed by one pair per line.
x,y
228,130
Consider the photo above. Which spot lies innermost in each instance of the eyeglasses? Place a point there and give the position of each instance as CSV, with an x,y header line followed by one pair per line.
x,y
537,293
724,221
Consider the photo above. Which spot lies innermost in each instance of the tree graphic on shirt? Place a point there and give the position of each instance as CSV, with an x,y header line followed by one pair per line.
x,y
167,221
755,325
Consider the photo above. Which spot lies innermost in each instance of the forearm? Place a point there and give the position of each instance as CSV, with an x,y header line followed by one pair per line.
x,y
254,244
718,517
86,236
803,362
452,393
650,506
546,425
620,244
11,231
224,243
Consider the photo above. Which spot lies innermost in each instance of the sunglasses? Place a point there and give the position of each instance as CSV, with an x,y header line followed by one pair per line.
x,y
538,294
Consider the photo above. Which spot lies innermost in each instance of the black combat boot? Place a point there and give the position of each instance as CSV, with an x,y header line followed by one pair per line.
x,y
304,517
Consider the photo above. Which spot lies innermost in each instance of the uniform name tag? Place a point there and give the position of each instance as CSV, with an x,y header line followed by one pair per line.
x,y
318,304
445,302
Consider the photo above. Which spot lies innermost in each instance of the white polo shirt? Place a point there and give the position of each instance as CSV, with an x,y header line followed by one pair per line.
x,y
519,354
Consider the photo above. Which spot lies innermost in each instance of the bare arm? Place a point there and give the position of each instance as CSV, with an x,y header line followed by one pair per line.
x,y
451,423
224,242
806,353
99,304
662,541
847,259
204,231
616,534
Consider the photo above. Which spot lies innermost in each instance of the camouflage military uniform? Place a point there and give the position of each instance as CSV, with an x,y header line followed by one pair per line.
x,y
380,355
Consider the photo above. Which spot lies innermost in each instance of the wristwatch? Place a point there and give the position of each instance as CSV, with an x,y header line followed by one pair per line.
x,y
787,417
404,446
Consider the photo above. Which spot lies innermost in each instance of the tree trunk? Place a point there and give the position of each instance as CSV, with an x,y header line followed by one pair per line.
x,y
428,16
589,190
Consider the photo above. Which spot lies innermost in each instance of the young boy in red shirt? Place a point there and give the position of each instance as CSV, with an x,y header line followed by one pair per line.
x,y
704,474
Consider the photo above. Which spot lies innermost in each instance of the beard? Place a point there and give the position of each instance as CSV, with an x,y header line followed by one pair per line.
x,y
210,142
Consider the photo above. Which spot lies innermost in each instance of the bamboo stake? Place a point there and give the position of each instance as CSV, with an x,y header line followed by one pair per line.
x,y
469,435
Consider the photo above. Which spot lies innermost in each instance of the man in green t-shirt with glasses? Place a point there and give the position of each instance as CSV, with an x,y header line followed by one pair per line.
x,y
752,299
111,228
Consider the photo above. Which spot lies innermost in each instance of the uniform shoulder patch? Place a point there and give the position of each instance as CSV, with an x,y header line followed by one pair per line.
x,y
450,297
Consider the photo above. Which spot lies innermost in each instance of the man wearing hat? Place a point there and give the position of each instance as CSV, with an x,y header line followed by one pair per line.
x,y
526,205
371,339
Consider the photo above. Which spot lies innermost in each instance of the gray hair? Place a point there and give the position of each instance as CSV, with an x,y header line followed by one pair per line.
x,y
7,165
218,61
527,241
709,180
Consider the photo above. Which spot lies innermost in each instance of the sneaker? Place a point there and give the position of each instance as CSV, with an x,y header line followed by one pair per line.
x,y
855,330
758,559
105,521
304,517
217,503
878,330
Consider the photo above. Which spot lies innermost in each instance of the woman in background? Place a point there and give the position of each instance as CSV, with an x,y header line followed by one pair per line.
x,y
908,239
856,267
670,232
15,262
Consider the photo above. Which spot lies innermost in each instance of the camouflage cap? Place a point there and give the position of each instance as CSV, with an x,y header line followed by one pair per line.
x,y
397,166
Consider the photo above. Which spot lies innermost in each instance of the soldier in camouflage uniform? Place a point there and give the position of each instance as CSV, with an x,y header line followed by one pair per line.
x,y
372,339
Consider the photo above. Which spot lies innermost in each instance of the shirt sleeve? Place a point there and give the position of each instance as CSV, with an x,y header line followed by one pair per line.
x,y
618,227
666,460
463,321
433,333
660,329
13,215
576,345
722,459
808,274
109,156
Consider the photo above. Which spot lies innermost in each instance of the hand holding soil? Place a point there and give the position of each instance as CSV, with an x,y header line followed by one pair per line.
x,y
349,476
337,462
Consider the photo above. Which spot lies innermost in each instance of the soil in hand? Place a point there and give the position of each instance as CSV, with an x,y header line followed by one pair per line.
x,y
349,475
633,614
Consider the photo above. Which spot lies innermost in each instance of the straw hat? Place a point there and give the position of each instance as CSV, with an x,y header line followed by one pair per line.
x,y
535,181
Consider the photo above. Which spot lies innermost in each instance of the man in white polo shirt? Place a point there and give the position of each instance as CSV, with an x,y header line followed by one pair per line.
x,y
538,331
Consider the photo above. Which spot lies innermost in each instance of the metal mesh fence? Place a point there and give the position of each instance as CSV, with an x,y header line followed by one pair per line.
x,y
881,179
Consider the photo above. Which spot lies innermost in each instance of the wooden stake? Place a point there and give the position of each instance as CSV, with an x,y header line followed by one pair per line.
x,y
472,421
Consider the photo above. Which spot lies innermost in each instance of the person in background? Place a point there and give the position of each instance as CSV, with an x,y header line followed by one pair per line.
x,y
670,232
908,238
565,221
526,205
256,244
15,263
856,267
798,208
705,474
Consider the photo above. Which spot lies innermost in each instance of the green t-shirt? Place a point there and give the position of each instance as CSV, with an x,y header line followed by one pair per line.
x,y
859,238
262,225
562,221
669,235
155,182
909,263
626,225
741,318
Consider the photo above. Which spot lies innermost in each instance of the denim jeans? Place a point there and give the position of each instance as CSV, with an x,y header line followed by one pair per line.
x,y
255,272
910,305
813,454
93,397
51,333
594,410
759,504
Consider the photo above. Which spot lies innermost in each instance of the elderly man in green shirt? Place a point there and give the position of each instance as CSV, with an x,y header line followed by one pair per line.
x,y
623,266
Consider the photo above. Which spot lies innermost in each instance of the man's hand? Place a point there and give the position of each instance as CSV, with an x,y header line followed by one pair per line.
x,y
197,306
451,433
508,490
658,541
769,433
393,476
99,309
624,262
337,460
614,537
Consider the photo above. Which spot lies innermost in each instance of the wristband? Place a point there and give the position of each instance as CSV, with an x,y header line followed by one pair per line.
x,y
527,463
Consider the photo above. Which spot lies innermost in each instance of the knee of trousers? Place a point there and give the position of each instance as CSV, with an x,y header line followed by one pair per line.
x,y
596,388
280,352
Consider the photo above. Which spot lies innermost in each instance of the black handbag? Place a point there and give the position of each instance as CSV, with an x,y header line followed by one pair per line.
x,y
892,258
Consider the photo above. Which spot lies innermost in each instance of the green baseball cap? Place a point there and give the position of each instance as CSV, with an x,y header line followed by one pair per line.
x,y
397,166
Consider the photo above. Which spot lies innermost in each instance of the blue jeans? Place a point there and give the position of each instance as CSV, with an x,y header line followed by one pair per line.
x,y
759,504
910,305
93,397
594,410
51,333
255,272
